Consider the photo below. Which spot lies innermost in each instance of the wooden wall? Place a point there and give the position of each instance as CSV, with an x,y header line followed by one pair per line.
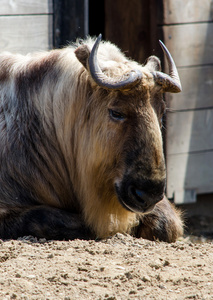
x,y
187,31
26,26
30,25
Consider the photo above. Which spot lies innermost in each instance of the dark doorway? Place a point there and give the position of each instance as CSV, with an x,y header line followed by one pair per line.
x,y
96,18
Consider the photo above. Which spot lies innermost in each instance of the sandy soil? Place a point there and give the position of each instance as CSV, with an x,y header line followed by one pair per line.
x,y
120,267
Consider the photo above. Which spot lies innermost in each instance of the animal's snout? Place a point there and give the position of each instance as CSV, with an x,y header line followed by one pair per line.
x,y
134,192
146,193
142,195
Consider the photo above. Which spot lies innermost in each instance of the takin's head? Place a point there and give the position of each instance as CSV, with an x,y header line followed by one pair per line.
x,y
125,118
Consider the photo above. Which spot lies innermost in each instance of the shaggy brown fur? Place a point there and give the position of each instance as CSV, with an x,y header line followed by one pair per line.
x,y
65,162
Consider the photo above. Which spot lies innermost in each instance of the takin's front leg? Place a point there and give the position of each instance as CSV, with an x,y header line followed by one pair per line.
x,y
42,222
163,223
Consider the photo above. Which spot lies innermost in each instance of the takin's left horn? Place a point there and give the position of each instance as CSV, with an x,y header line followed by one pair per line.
x,y
103,80
170,83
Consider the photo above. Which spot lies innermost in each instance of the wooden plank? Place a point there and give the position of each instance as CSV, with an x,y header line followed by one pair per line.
x,y
189,172
22,7
197,84
29,33
189,131
190,44
189,11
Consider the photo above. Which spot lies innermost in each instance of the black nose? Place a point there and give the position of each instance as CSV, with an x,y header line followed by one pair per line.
x,y
146,194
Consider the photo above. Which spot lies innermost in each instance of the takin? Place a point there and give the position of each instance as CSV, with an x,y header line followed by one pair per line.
x,y
81,144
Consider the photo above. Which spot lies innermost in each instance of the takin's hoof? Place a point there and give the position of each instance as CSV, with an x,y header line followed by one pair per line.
x,y
164,223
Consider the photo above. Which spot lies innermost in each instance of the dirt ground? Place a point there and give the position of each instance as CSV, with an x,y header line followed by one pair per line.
x,y
120,267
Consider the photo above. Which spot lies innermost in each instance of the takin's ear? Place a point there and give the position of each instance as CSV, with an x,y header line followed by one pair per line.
x,y
153,63
82,53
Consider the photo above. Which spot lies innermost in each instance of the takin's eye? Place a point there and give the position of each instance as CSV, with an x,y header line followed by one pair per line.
x,y
116,116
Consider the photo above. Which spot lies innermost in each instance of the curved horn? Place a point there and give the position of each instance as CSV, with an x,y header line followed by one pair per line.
x,y
102,80
170,83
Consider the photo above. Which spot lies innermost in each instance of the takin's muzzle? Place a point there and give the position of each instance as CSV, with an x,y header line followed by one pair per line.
x,y
140,196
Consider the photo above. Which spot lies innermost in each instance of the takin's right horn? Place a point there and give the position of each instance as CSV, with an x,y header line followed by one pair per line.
x,y
103,80
170,83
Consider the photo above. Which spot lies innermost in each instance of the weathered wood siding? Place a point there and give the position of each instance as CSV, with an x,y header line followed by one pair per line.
x,y
26,26
187,30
